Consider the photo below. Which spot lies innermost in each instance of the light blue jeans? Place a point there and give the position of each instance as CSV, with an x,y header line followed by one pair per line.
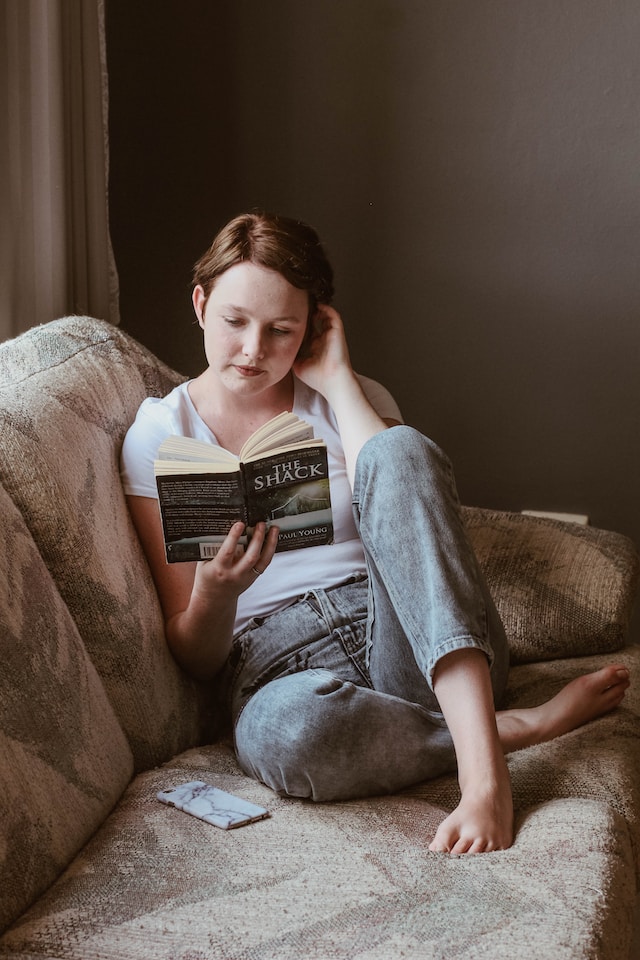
x,y
332,697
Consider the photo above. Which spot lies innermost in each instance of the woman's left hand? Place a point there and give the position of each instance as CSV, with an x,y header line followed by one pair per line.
x,y
328,353
327,369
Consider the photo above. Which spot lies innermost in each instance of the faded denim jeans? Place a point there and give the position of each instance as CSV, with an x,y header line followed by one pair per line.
x,y
332,697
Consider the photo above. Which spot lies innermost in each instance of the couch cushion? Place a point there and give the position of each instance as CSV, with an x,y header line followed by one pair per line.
x,y
348,882
355,880
68,392
64,760
562,589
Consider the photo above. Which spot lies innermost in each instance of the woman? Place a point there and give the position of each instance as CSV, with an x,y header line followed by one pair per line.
x,y
372,663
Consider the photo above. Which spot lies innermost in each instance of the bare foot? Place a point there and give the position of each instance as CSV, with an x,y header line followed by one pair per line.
x,y
482,821
580,701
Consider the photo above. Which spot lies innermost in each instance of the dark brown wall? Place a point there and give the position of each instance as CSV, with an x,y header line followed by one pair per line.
x,y
474,169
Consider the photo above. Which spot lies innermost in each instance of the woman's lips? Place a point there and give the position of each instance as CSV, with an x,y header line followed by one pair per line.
x,y
249,371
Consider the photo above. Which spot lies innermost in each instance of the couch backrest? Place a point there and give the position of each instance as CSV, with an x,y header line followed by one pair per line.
x,y
68,392
561,589
64,760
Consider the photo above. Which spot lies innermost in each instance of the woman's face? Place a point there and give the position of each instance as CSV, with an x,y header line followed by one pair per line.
x,y
254,323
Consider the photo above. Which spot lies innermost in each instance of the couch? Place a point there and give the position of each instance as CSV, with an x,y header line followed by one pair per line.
x,y
97,717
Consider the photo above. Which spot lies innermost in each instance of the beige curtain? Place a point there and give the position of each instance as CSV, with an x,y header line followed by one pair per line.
x,y
55,250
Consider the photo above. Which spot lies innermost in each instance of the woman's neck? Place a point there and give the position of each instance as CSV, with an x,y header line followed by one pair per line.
x,y
233,419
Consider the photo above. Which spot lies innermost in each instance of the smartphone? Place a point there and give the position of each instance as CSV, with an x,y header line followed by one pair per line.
x,y
208,803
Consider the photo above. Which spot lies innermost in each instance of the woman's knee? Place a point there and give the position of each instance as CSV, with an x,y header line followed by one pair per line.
x,y
287,733
403,448
315,736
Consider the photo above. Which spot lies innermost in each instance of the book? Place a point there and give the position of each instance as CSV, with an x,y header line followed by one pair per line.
x,y
281,476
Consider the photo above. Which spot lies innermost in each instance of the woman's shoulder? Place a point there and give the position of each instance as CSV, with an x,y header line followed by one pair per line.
x,y
309,401
173,412
157,418
380,398
176,399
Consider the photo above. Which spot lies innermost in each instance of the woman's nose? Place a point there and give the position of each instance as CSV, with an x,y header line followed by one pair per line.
x,y
253,346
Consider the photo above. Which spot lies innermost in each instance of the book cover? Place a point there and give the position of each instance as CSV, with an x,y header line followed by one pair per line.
x,y
203,490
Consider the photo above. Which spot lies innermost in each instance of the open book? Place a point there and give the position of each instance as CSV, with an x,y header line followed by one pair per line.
x,y
281,477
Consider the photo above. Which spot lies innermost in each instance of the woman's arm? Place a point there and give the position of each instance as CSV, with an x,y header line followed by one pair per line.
x,y
199,599
327,369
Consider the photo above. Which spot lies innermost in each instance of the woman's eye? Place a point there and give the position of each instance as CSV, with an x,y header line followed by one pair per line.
x,y
233,321
280,332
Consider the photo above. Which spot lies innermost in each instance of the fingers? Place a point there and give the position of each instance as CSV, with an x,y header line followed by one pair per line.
x,y
262,547
231,547
327,328
257,556
326,316
236,566
329,324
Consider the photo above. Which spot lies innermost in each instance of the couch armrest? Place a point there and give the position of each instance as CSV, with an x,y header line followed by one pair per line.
x,y
562,589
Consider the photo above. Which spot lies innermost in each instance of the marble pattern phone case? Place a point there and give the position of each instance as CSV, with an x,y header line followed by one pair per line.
x,y
208,803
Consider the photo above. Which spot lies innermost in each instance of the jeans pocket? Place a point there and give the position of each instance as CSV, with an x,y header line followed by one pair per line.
x,y
353,638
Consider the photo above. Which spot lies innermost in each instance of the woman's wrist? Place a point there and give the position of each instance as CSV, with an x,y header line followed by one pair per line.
x,y
341,388
200,636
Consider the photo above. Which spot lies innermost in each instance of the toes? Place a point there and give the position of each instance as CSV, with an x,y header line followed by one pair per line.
x,y
444,839
437,847
615,675
468,846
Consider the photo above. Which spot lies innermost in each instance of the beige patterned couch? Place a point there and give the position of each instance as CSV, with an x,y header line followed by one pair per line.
x,y
96,718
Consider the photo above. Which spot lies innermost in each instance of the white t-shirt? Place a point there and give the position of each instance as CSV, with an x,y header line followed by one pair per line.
x,y
291,573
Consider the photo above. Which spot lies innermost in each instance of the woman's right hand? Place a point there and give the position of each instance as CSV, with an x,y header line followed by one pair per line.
x,y
199,599
234,569
200,632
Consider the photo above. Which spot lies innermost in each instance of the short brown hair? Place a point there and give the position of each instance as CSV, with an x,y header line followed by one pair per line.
x,y
290,247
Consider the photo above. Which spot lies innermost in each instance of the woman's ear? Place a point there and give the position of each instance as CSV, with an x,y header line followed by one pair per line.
x,y
199,300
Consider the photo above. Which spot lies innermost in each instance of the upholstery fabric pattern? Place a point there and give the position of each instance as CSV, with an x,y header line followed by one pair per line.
x,y
355,880
64,759
68,392
562,589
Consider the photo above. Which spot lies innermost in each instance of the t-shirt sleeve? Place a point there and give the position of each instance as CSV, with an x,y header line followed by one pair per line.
x,y
380,399
140,449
